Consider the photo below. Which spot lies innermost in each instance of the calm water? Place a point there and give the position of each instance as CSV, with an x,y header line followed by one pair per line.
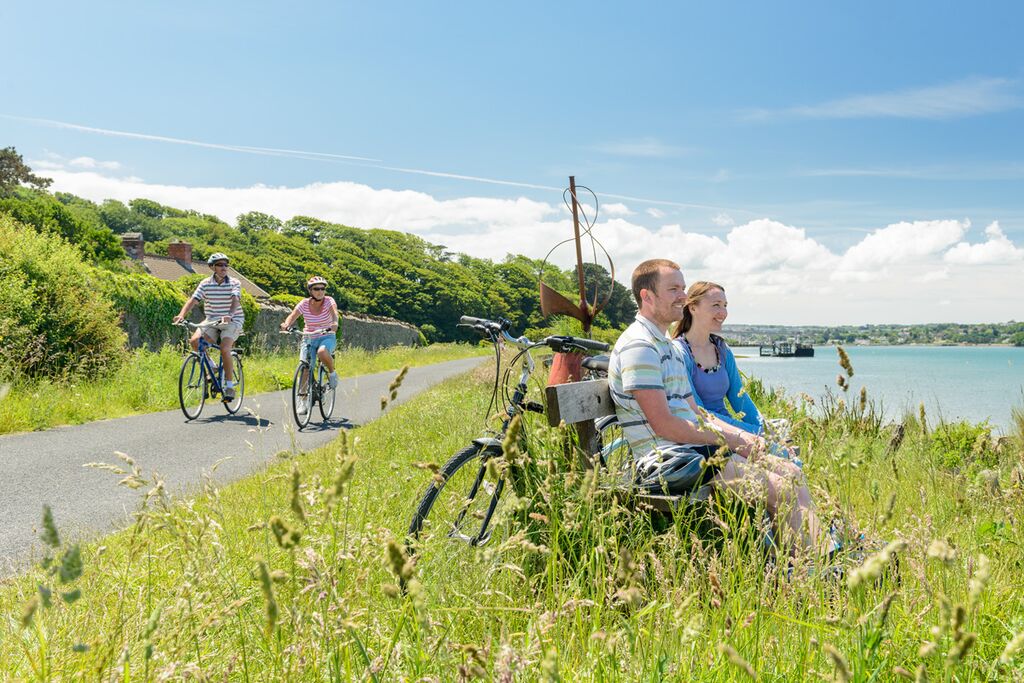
x,y
957,382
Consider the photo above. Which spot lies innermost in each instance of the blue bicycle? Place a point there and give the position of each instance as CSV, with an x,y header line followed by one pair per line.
x,y
200,379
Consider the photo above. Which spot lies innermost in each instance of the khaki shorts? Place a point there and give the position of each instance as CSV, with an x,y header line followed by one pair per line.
x,y
214,332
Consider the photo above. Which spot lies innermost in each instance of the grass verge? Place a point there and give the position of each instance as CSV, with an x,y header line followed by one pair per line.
x,y
292,574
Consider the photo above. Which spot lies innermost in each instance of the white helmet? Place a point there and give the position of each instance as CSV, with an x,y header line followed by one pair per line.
x,y
217,256
315,280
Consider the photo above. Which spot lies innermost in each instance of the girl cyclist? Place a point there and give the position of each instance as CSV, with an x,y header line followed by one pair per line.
x,y
319,312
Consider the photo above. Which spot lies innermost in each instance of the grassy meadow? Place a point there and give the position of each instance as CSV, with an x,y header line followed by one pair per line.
x,y
148,382
294,573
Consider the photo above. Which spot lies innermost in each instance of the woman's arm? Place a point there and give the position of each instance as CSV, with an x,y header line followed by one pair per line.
x,y
739,400
291,317
334,315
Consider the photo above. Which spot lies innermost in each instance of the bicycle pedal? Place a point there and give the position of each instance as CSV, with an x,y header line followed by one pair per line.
x,y
489,487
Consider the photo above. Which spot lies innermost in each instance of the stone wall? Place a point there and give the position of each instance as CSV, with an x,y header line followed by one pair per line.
x,y
360,331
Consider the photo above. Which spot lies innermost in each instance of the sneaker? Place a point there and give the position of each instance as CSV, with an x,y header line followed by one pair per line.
x,y
301,408
332,379
229,394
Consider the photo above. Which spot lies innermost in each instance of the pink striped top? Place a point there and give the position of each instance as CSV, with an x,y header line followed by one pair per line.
x,y
317,321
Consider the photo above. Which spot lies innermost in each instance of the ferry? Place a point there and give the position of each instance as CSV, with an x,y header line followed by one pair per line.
x,y
787,349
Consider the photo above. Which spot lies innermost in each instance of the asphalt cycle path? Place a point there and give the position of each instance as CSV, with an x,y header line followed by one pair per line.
x,y
46,468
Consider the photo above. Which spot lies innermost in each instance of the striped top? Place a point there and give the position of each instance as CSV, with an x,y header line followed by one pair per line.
x,y
317,321
644,358
216,298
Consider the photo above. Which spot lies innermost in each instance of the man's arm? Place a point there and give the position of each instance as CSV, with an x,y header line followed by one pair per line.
x,y
189,303
654,405
236,307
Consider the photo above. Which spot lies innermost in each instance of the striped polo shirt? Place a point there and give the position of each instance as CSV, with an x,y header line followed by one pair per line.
x,y
216,298
644,358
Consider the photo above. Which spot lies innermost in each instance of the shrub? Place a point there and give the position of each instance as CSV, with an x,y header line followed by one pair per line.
x,y
147,305
957,444
289,300
52,323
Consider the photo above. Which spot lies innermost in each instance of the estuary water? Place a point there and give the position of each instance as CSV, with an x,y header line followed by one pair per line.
x,y
973,383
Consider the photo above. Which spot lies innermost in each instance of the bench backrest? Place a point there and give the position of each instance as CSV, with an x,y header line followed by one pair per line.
x,y
578,402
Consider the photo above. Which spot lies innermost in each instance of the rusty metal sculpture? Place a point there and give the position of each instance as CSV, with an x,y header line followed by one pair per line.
x,y
553,302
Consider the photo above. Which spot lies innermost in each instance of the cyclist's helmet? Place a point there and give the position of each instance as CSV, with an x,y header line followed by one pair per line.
x,y
216,256
315,280
677,472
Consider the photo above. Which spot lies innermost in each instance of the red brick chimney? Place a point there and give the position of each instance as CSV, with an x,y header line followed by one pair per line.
x,y
181,251
134,245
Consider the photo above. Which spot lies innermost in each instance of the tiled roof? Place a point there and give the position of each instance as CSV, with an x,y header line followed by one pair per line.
x,y
167,268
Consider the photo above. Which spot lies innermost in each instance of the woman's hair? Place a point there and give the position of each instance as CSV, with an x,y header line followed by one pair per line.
x,y
697,291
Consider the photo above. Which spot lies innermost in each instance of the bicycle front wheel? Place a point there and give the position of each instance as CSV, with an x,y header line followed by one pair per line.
x,y
234,405
302,402
460,505
192,386
327,392
616,457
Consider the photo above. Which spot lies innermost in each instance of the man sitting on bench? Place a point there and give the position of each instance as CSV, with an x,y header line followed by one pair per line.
x,y
674,446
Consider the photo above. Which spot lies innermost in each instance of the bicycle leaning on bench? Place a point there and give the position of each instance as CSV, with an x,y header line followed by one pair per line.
x,y
464,482
312,384
199,379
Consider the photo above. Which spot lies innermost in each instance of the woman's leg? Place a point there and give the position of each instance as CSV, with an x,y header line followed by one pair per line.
x,y
325,357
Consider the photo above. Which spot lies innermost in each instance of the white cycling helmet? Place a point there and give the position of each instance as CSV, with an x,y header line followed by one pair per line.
x,y
217,256
315,280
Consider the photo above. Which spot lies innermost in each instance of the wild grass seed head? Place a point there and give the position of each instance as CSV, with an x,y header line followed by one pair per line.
x,y
287,537
875,565
50,536
736,660
844,361
978,582
941,550
843,672
1014,646
296,497
267,584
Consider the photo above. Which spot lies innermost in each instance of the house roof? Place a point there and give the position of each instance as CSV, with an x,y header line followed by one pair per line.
x,y
167,268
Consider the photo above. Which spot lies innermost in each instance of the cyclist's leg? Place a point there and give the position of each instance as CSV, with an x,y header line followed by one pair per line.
x,y
325,352
229,333
194,339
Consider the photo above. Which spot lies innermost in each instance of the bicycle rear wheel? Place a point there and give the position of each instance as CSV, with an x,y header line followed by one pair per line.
x,y
192,386
234,405
616,457
302,418
327,393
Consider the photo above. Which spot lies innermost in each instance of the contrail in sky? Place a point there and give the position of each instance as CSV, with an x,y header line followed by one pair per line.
x,y
344,158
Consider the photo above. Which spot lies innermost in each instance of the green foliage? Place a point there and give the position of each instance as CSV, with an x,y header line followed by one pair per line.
x,y
958,444
150,302
52,324
68,217
14,173
290,300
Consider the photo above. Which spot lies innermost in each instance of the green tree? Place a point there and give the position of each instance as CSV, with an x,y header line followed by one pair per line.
x,y
14,173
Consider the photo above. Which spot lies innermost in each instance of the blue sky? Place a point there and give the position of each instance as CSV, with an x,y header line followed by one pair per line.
x,y
828,162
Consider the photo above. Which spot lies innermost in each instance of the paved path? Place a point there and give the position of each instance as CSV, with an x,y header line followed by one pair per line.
x,y
40,468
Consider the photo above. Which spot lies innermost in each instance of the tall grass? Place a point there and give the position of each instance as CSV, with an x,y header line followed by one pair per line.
x,y
148,382
293,574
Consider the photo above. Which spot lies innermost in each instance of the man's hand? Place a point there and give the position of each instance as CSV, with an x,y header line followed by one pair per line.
x,y
226,319
177,319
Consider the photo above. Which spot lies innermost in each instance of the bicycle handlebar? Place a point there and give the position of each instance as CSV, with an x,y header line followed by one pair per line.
x,y
560,343
314,333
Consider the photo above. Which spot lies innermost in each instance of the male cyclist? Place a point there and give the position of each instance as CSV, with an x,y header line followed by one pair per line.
x,y
320,313
221,295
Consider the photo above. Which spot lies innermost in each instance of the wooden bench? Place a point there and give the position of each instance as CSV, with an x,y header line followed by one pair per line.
x,y
578,405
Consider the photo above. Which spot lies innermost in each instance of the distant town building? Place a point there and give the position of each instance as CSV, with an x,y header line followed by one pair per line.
x,y
178,263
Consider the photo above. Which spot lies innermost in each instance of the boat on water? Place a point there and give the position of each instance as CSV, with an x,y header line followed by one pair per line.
x,y
787,349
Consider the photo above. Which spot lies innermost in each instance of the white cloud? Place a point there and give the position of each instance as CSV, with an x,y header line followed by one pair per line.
x,y
902,243
616,209
997,249
968,97
723,220
655,213
89,162
773,272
